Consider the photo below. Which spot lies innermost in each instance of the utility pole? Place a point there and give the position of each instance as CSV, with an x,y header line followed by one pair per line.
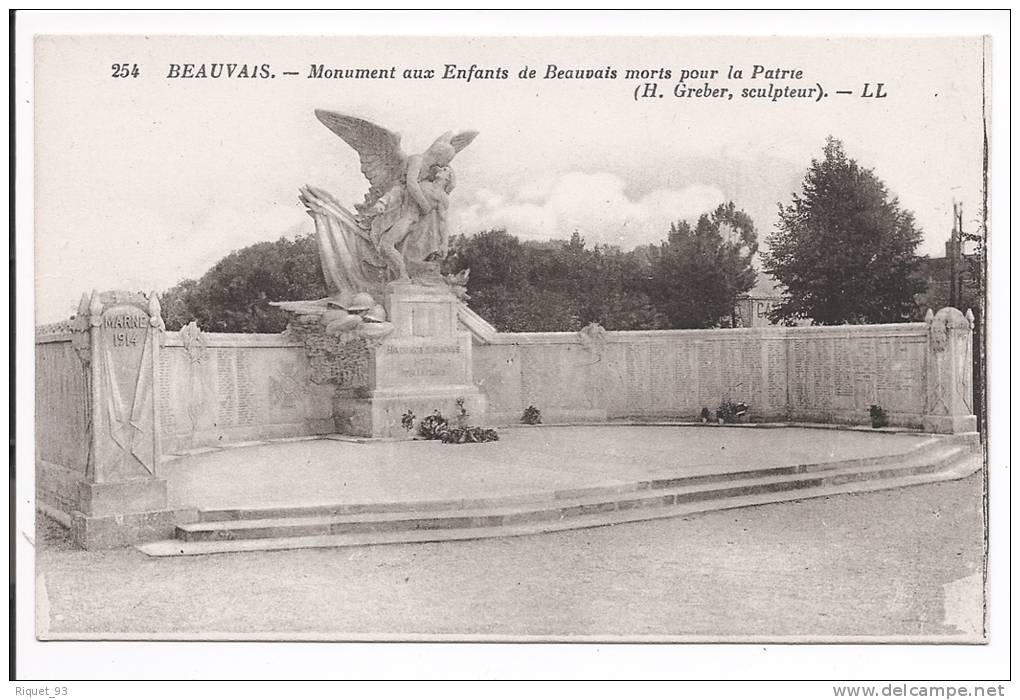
x,y
954,251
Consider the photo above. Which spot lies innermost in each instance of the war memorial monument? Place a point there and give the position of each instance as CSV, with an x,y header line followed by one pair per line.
x,y
122,404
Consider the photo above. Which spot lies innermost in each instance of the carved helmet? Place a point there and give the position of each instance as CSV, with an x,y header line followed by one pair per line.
x,y
377,314
362,301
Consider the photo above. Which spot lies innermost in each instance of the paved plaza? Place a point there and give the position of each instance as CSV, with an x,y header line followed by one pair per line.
x,y
524,461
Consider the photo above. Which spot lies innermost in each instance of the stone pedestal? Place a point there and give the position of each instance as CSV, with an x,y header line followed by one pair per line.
x,y
423,366
949,392
120,499
120,513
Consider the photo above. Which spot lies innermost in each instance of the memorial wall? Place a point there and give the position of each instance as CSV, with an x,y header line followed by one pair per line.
x,y
60,403
817,374
62,421
220,388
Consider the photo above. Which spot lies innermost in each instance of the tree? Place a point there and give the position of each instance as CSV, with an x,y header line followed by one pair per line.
x,y
843,250
509,283
553,285
698,273
234,296
175,304
557,285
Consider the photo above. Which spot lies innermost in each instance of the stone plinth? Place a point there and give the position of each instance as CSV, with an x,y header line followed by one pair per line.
x,y
117,498
123,513
421,311
423,366
417,361
949,388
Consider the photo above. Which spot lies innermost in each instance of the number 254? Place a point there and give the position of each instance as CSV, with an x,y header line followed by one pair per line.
x,y
124,70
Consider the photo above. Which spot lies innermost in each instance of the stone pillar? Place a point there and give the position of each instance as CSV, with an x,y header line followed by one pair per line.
x,y
421,312
422,367
121,500
949,393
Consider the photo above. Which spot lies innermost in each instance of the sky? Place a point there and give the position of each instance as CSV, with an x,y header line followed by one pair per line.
x,y
141,182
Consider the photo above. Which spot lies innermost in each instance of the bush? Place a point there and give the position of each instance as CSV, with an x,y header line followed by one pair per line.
x,y
879,417
531,416
407,420
729,411
705,415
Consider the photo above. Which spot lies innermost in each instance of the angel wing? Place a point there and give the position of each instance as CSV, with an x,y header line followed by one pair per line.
x,y
463,140
448,141
382,160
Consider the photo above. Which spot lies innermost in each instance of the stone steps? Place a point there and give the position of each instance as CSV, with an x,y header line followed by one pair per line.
x,y
359,524
555,509
933,446
966,466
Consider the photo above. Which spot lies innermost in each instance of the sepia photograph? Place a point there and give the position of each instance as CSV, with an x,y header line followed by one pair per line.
x,y
473,338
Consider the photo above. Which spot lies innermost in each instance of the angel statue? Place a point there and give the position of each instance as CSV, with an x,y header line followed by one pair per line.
x,y
399,232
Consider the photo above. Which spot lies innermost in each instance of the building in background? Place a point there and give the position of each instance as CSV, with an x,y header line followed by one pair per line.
x,y
752,310
950,280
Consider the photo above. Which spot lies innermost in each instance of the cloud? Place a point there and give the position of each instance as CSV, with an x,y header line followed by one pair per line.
x,y
595,204
154,250
225,229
